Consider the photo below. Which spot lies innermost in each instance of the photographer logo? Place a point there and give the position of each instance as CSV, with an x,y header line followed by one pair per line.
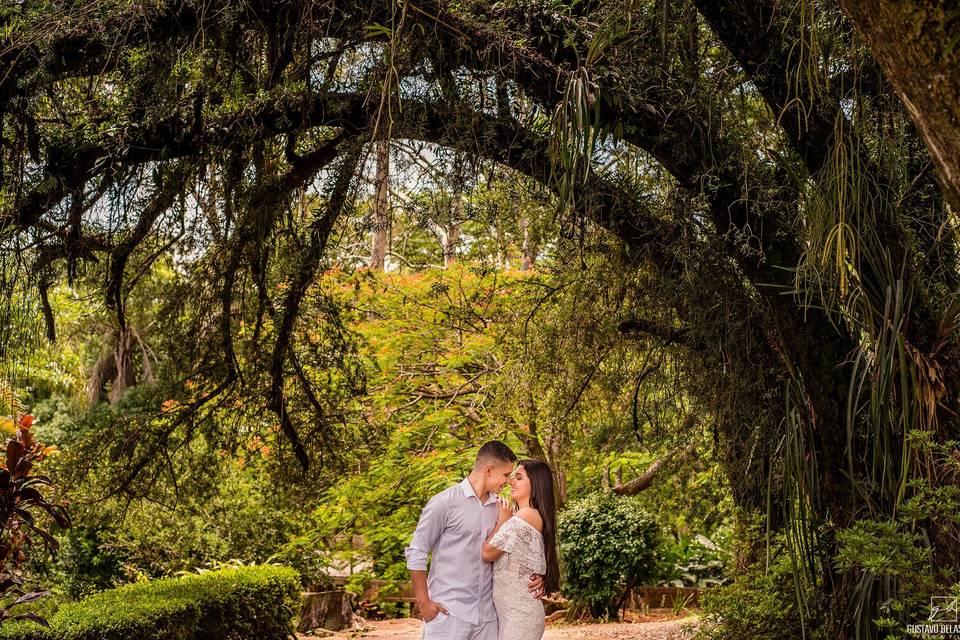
x,y
942,619
943,609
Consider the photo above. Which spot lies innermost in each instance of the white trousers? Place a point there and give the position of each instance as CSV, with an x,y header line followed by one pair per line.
x,y
446,627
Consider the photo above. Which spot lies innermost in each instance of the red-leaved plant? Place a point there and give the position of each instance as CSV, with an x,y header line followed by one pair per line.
x,y
22,499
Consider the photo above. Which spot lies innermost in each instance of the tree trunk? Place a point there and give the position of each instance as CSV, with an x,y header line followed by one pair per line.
x,y
451,237
528,251
126,374
448,235
554,448
381,207
501,258
330,610
302,207
917,44
451,231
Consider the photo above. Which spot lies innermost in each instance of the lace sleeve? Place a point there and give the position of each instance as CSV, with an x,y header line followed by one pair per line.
x,y
508,538
519,539
522,545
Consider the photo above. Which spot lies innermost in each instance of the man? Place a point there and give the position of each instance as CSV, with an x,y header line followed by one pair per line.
x,y
456,602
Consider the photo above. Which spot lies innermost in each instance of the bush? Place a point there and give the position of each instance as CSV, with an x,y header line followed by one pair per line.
x,y
892,566
86,562
696,562
249,602
242,518
762,603
608,545
25,510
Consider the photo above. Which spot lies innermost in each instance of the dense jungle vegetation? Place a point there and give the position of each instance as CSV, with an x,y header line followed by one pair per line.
x,y
273,269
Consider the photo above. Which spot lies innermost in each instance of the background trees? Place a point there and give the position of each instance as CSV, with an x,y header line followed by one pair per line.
x,y
770,216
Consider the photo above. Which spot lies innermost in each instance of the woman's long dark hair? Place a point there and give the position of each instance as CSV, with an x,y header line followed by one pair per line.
x,y
542,499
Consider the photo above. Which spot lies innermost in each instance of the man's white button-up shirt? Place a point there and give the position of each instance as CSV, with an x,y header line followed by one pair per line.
x,y
453,527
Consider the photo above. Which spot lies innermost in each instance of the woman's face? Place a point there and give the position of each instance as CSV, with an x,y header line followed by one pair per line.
x,y
519,484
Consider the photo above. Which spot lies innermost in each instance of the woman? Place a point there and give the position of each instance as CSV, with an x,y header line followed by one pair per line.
x,y
524,543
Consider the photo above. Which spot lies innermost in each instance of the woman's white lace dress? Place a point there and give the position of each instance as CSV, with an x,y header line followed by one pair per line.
x,y
520,613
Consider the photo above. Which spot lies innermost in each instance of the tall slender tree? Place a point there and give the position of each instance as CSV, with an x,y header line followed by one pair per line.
x,y
381,207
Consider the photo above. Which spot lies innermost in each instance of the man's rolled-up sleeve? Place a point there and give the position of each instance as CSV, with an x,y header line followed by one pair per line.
x,y
425,537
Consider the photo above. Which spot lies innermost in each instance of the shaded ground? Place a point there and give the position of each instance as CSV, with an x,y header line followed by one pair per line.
x,y
656,626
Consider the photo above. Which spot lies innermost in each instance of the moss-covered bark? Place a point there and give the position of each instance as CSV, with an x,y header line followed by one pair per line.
x,y
917,44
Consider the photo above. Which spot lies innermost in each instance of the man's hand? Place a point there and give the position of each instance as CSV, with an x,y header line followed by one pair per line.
x,y
536,586
430,610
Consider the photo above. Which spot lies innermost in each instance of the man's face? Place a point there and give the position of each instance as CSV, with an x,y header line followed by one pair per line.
x,y
497,476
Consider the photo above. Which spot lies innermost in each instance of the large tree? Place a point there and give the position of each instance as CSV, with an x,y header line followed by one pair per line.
x,y
751,155
917,44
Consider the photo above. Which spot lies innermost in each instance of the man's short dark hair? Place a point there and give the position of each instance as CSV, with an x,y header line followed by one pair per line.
x,y
495,452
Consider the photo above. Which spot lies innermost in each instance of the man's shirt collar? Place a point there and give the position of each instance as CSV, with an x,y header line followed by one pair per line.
x,y
468,491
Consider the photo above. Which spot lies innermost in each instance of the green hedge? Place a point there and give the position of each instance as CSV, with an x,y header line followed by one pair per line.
x,y
242,604
608,545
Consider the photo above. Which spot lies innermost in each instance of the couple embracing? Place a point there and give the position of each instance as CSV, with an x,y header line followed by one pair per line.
x,y
492,561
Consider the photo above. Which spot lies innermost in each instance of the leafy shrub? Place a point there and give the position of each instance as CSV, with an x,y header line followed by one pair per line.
x,y
695,562
86,562
761,604
608,545
249,602
243,518
891,564
228,505
23,503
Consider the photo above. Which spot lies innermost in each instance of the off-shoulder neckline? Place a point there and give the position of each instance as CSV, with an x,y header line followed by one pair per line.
x,y
516,517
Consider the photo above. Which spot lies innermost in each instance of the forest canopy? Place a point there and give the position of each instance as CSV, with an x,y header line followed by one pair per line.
x,y
767,191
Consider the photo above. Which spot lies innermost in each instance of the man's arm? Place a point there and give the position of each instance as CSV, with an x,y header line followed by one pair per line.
x,y
425,537
428,608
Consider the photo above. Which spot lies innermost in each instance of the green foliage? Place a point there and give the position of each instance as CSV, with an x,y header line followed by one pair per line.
x,y
457,363
26,510
210,484
86,562
455,356
697,561
460,358
891,557
761,604
250,602
243,516
753,171
892,569
368,519
881,548
56,420
887,562
608,544
436,337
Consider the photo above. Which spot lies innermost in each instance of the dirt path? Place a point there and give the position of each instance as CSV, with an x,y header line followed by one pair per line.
x,y
653,628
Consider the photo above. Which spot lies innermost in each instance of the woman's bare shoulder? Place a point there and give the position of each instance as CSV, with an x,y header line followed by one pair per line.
x,y
532,516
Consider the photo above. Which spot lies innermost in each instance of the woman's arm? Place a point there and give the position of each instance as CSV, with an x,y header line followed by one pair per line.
x,y
490,552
